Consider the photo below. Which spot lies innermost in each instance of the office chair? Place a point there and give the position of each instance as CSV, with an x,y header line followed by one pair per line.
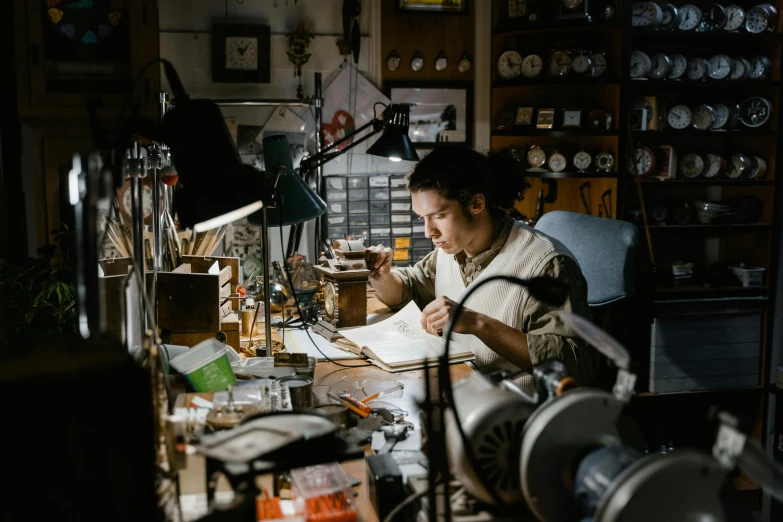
x,y
605,250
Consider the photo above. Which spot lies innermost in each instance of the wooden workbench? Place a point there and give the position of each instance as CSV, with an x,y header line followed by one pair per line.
x,y
193,478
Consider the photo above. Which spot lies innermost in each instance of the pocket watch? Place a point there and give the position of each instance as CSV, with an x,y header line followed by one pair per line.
x,y
509,65
536,157
716,164
660,66
441,62
679,117
759,67
599,64
735,18
691,165
393,61
690,17
740,69
559,63
660,213
721,113
739,165
599,119
713,18
761,18
604,161
582,63
698,69
758,168
640,64
679,66
671,17
582,160
642,161
464,64
646,14
557,161
703,117
755,111
532,66
417,62
720,67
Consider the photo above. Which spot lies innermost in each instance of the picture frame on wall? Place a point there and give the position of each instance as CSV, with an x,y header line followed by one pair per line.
x,y
439,112
433,6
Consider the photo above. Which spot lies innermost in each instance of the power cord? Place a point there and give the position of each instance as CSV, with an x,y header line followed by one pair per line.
x,y
296,299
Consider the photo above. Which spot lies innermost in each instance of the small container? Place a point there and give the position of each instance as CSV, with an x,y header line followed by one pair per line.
x,y
309,370
749,275
206,366
301,389
325,492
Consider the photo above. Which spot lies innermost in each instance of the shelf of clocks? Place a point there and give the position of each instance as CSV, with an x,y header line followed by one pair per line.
x,y
551,81
691,133
730,36
571,175
557,133
676,85
703,182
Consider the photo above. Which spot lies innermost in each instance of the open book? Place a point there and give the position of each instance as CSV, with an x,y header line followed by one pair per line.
x,y
399,343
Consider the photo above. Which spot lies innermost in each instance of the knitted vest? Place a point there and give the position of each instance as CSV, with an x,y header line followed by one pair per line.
x,y
525,254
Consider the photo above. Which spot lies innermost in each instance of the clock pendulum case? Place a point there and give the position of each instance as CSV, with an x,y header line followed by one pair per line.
x,y
345,296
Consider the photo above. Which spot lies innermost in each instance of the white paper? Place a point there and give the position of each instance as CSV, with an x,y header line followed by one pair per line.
x,y
214,269
297,341
284,120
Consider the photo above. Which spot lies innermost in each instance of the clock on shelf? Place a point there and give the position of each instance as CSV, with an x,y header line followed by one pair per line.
x,y
240,53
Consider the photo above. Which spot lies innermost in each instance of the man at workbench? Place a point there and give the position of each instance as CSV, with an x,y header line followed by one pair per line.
x,y
462,197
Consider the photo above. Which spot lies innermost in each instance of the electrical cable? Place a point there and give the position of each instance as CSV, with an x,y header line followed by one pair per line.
x,y
405,503
296,299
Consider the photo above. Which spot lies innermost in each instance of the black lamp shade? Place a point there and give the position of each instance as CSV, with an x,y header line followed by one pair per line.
x,y
299,202
394,143
215,182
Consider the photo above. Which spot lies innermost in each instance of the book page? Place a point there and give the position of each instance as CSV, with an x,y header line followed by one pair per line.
x,y
399,339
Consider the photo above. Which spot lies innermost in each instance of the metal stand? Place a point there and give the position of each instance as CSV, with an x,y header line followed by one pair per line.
x,y
136,172
267,288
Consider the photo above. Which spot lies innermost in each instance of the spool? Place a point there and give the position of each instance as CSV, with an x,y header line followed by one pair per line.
x,y
301,389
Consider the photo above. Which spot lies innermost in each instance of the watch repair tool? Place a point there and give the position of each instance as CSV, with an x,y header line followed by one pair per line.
x,y
393,434
606,199
228,416
586,200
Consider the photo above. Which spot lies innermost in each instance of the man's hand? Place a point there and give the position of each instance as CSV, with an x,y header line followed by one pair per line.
x,y
379,260
436,316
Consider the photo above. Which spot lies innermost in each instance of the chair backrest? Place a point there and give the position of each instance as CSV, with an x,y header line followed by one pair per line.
x,y
604,248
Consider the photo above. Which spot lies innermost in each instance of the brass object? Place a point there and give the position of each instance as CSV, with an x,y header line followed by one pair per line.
x,y
224,417
297,360
249,349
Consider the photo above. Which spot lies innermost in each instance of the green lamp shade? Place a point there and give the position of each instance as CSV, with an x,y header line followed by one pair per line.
x,y
394,143
299,202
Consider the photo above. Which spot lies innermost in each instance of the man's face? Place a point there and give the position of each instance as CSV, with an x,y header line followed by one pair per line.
x,y
445,221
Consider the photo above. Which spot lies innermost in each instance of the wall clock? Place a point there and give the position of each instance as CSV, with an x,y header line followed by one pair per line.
x,y
240,53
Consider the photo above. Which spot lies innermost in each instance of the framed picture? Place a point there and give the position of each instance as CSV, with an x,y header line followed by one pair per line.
x,y
437,6
440,112
240,53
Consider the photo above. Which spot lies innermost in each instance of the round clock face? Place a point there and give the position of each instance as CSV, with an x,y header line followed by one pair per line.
x,y
581,64
536,157
740,67
604,161
703,117
691,165
690,17
146,200
640,64
714,18
417,62
755,112
599,64
738,165
671,16
698,69
679,117
241,53
572,4
642,162
463,65
330,299
721,114
715,165
759,68
679,66
661,65
251,267
646,14
509,65
720,67
557,162
758,168
598,119
582,160
441,62
735,18
759,18
559,64
532,66
393,62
